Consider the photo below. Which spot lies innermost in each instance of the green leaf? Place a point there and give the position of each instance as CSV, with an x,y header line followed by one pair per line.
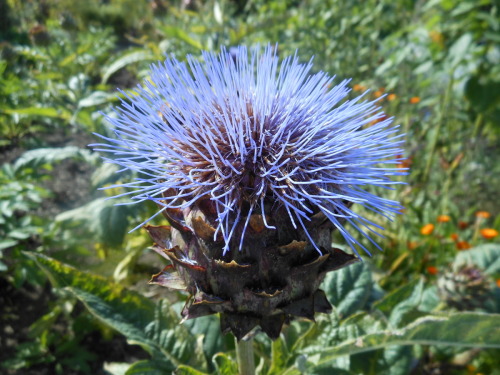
x,y
178,33
486,257
5,244
153,326
127,59
461,329
483,96
279,357
396,360
430,299
34,111
103,218
460,48
149,367
113,224
224,364
187,370
349,288
97,98
209,328
132,304
401,301
105,174
40,156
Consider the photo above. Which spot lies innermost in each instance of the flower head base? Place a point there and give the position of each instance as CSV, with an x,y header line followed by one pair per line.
x,y
246,131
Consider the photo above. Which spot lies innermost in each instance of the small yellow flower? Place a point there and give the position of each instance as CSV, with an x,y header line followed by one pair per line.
x,y
415,100
427,229
443,219
489,233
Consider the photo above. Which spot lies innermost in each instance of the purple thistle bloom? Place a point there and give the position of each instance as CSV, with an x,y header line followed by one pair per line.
x,y
246,130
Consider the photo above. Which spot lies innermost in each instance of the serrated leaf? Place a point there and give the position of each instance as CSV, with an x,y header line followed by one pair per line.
x,y
136,307
349,288
153,326
461,329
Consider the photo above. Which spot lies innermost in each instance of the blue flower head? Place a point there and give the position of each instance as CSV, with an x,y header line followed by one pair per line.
x,y
246,130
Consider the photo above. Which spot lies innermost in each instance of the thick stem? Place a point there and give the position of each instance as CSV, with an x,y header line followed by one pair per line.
x,y
244,355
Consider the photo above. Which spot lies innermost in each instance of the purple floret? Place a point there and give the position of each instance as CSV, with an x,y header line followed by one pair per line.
x,y
246,130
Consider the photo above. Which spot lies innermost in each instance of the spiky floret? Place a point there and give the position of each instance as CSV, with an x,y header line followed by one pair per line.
x,y
243,130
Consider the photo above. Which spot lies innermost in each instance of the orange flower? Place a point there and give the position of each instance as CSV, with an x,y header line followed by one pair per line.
x,y
391,97
380,119
443,218
427,229
483,214
412,245
378,93
463,245
498,282
357,87
415,100
432,270
454,236
488,233
463,224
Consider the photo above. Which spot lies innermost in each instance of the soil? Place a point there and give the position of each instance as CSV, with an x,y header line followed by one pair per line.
x,y
23,306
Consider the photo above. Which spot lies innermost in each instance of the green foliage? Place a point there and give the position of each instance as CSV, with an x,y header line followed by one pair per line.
x,y
349,288
438,62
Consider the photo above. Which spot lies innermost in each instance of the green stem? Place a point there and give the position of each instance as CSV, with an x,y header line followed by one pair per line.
x,y
477,126
245,357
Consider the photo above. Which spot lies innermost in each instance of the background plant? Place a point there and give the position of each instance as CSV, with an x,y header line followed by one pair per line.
x,y
436,62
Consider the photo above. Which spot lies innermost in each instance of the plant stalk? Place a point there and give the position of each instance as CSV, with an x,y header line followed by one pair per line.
x,y
245,357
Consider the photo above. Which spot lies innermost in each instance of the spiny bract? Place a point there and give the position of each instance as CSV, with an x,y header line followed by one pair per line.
x,y
255,162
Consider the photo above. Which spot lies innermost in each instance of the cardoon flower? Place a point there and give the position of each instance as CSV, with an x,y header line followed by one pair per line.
x,y
254,162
